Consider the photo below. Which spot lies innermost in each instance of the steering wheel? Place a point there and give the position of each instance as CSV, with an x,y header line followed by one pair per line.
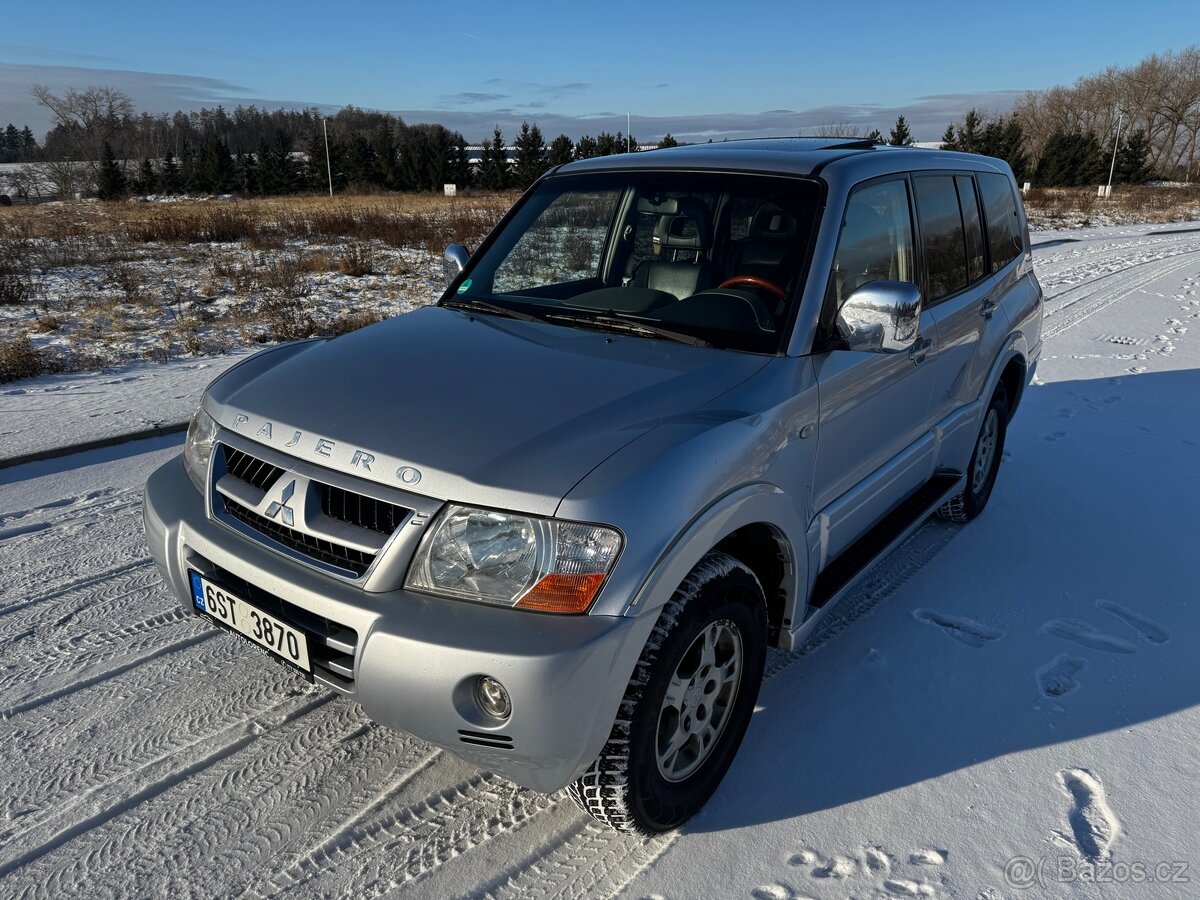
x,y
755,282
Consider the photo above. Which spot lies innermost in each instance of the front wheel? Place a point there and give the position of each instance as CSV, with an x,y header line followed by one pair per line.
x,y
984,465
687,705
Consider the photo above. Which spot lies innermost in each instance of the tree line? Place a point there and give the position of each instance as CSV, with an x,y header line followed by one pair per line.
x,y
98,143
18,144
1059,136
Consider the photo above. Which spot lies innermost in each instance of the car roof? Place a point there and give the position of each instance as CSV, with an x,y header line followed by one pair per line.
x,y
786,155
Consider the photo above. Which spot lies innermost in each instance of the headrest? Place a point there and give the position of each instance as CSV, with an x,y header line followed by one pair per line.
x,y
771,222
686,228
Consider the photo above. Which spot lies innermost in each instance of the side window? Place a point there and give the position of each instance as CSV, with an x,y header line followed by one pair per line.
x,y
972,224
876,241
563,245
1003,227
941,235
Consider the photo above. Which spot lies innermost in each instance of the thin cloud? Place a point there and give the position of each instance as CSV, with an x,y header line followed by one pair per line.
x,y
469,98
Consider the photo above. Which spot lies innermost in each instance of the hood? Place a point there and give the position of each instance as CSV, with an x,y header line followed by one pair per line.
x,y
472,408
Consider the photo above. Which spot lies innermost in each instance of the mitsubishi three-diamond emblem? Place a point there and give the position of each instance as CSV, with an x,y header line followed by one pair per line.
x,y
281,505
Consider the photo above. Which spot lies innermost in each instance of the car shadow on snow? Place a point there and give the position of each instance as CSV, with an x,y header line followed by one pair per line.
x,y
1066,610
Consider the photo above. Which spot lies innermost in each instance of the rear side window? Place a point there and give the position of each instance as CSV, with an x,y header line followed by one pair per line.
x,y
876,242
941,235
1003,226
972,225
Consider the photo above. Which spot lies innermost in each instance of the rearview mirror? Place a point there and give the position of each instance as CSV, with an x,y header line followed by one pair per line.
x,y
453,261
881,317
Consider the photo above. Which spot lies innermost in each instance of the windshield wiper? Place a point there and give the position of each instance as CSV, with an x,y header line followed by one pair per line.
x,y
494,308
629,326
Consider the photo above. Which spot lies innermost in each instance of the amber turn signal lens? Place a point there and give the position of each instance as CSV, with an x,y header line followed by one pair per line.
x,y
563,593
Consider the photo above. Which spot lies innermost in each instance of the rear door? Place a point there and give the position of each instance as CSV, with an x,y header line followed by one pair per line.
x,y
873,447
957,285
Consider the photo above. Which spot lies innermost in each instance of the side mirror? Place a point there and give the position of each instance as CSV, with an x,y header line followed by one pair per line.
x,y
881,317
453,261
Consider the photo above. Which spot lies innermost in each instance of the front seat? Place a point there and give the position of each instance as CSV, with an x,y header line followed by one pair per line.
x,y
687,231
772,247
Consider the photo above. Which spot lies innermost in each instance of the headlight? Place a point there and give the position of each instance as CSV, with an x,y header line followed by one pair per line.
x,y
514,560
198,447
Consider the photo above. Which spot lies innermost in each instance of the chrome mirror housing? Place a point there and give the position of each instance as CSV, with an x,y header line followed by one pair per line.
x,y
881,317
453,261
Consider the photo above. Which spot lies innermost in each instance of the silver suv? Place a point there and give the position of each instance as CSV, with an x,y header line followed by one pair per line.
x,y
664,418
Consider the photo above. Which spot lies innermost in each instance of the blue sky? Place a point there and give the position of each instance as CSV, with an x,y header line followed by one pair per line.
x,y
731,68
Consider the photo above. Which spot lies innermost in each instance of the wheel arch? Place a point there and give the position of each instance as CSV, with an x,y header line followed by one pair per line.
x,y
757,524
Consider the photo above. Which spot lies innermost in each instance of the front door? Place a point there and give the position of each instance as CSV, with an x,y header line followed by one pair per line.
x,y
873,444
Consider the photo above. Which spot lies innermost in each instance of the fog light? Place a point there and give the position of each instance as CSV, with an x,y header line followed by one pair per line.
x,y
492,697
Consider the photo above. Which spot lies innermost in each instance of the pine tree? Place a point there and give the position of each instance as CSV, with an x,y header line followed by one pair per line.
x,y
246,174
147,181
562,150
586,148
1071,159
494,172
967,137
362,163
949,140
460,162
216,170
277,171
10,144
111,183
900,136
386,154
170,174
188,179
29,144
531,155
1004,138
668,140
876,136
319,171
609,144
1131,166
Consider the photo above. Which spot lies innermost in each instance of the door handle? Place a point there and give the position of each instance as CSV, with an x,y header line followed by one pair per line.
x,y
920,350
987,308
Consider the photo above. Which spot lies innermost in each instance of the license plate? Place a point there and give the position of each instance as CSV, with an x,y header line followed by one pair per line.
x,y
217,603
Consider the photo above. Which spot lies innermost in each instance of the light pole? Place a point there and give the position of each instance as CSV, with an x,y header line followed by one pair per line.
x,y
1116,143
328,164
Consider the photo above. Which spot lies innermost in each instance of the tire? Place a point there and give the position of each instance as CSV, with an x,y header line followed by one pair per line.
x,y
981,475
719,604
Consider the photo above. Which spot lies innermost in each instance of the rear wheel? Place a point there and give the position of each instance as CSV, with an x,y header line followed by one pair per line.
x,y
984,465
687,705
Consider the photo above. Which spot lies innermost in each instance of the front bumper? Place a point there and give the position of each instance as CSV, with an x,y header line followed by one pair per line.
x,y
417,658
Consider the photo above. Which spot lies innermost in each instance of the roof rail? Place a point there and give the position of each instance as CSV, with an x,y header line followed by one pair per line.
x,y
853,144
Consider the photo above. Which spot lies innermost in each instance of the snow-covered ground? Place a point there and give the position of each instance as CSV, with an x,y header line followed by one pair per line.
x,y
1004,710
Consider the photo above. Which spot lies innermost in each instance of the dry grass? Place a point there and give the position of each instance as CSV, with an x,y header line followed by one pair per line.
x,y
1129,204
20,359
398,220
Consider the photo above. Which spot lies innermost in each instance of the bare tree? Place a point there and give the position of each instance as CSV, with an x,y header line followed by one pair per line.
x,y
87,118
62,178
1159,96
838,130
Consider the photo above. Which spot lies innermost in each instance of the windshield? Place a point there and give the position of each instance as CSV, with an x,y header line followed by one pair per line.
x,y
704,258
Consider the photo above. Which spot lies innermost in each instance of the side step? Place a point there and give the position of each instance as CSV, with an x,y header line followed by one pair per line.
x,y
856,558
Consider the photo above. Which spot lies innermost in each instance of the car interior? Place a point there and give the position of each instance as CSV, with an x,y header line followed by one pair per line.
x,y
720,257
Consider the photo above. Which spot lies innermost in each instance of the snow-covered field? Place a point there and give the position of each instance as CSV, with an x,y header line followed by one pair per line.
x,y
1004,710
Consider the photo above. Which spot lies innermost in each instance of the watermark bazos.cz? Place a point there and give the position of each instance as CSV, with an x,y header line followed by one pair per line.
x,y
1025,872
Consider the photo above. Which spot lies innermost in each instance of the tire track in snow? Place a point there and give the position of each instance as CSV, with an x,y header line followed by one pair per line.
x,y
1083,301
83,602
103,803
75,752
395,847
86,653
